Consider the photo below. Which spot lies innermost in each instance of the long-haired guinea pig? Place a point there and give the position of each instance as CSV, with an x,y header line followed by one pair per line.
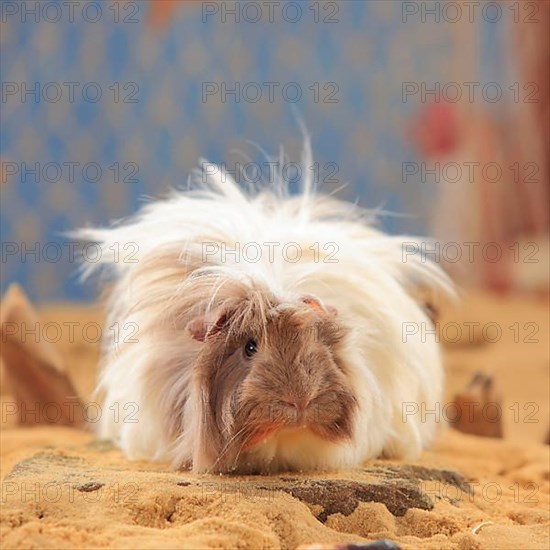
x,y
261,331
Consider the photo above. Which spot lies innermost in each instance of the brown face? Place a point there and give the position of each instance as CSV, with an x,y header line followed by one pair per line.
x,y
266,368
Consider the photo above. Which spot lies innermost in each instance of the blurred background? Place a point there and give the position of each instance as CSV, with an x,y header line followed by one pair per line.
x,y
436,112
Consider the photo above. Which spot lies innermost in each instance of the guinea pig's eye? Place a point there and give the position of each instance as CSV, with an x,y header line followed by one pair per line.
x,y
250,348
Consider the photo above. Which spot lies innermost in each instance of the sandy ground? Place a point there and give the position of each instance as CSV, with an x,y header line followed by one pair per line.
x,y
63,489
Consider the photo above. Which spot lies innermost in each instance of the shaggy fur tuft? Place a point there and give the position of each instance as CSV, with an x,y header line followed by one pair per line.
x,y
334,366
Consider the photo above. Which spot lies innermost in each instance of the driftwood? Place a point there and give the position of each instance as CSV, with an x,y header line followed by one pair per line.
x,y
480,408
33,372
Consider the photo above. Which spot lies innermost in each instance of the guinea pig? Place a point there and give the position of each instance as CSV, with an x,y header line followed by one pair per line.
x,y
274,389
259,331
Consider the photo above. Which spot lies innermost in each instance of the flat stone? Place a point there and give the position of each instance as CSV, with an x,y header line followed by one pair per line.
x,y
398,487
89,487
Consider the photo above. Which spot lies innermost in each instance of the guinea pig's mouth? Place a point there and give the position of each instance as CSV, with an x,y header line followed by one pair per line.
x,y
267,430
262,433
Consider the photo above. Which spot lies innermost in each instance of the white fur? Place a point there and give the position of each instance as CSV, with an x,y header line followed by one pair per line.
x,y
371,285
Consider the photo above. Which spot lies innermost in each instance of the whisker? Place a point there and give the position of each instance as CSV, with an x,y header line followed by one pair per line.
x,y
226,447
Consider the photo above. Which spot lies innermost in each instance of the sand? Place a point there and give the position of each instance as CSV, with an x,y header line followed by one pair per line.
x,y
63,489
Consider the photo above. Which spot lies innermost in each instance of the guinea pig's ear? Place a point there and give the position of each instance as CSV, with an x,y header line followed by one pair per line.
x,y
207,325
315,304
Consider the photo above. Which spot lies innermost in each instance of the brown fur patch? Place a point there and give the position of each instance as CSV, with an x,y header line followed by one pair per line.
x,y
294,379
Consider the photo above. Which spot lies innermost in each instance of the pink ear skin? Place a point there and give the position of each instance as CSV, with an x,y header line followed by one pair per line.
x,y
315,304
332,310
201,327
197,328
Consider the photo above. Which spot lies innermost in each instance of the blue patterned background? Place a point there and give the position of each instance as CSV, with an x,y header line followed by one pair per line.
x,y
368,53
